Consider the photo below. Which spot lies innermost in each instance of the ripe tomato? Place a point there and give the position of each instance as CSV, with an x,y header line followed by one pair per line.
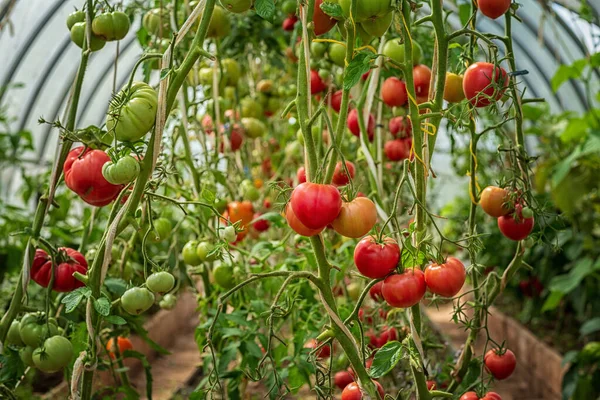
x,y
491,396
83,175
500,365
235,140
289,23
394,92
352,391
397,149
78,37
301,175
69,261
493,201
34,329
316,205
336,101
260,225
55,354
111,25
514,226
122,172
376,260
356,218
493,8
137,112
446,279
340,178
324,352
430,385
298,226
354,126
137,300
477,83
387,335
453,88
404,290
422,79
375,291
343,379
241,211
316,83
469,396
160,282
323,22
400,126
123,343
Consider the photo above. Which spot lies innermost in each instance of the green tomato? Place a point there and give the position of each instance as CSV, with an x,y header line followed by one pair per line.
x,y
236,6
162,230
251,108
289,7
205,76
203,250
26,354
160,282
221,205
253,127
190,257
366,9
232,71
219,26
223,275
132,112
168,302
111,26
293,150
137,300
378,27
122,172
54,355
229,93
156,22
395,50
13,337
354,290
228,234
337,54
34,329
318,49
78,37
75,17
252,194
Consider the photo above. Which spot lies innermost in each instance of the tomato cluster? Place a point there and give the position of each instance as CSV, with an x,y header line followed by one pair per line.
x,y
514,220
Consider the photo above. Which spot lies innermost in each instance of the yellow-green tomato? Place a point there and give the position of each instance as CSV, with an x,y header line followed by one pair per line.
x,y
168,302
78,37
203,250
156,22
54,355
132,112
13,336
253,127
189,254
219,26
125,170
160,282
26,354
137,300
231,71
236,6
111,26
251,108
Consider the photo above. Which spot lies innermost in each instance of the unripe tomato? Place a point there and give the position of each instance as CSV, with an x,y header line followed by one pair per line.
x,y
160,282
156,22
137,300
162,230
352,391
404,290
337,54
236,6
316,83
54,355
298,226
228,234
446,279
481,81
493,201
125,170
168,302
223,275
500,364
340,177
253,127
78,37
323,22
366,9
394,92
394,49
400,127
316,205
34,329
375,291
289,7
318,49
453,88
75,17
220,25
203,250
13,337
123,343
354,126
515,226
376,260
422,79
232,71
377,27
26,355
397,149
324,352
131,113
69,261
111,25
493,8
356,218
343,379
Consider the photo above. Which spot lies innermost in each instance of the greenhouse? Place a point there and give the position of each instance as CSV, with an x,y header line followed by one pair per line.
x,y
300,199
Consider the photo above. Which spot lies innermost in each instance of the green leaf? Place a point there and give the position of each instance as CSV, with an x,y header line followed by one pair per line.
x,y
115,319
116,285
72,300
265,9
147,369
589,327
552,301
12,367
566,72
386,359
464,12
208,195
360,64
296,377
471,376
332,9
566,283
102,305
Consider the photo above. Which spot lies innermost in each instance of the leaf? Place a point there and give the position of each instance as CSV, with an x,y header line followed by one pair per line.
x,y
219,177
386,359
566,72
552,301
115,319
265,9
147,369
471,376
589,327
566,283
360,64
102,305
116,285
332,9
72,300
208,195
464,12
12,367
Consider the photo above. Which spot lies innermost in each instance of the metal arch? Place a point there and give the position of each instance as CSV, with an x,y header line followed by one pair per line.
x,y
42,82
28,43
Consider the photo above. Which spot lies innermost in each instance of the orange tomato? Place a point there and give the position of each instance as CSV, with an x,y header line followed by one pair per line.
x,y
453,88
356,218
240,211
123,343
493,201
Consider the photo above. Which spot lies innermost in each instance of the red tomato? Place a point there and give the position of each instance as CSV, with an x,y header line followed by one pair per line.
x,y
532,287
477,83
446,279
394,92
404,290
491,396
469,396
514,226
207,124
430,385
397,149
235,140
354,126
352,391
343,379
316,205
422,79
340,178
323,22
356,218
123,343
375,291
83,175
324,352
400,126
68,262
289,22
260,225
376,260
501,366
336,101
387,335
301,175
297,226
316,83
493,8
